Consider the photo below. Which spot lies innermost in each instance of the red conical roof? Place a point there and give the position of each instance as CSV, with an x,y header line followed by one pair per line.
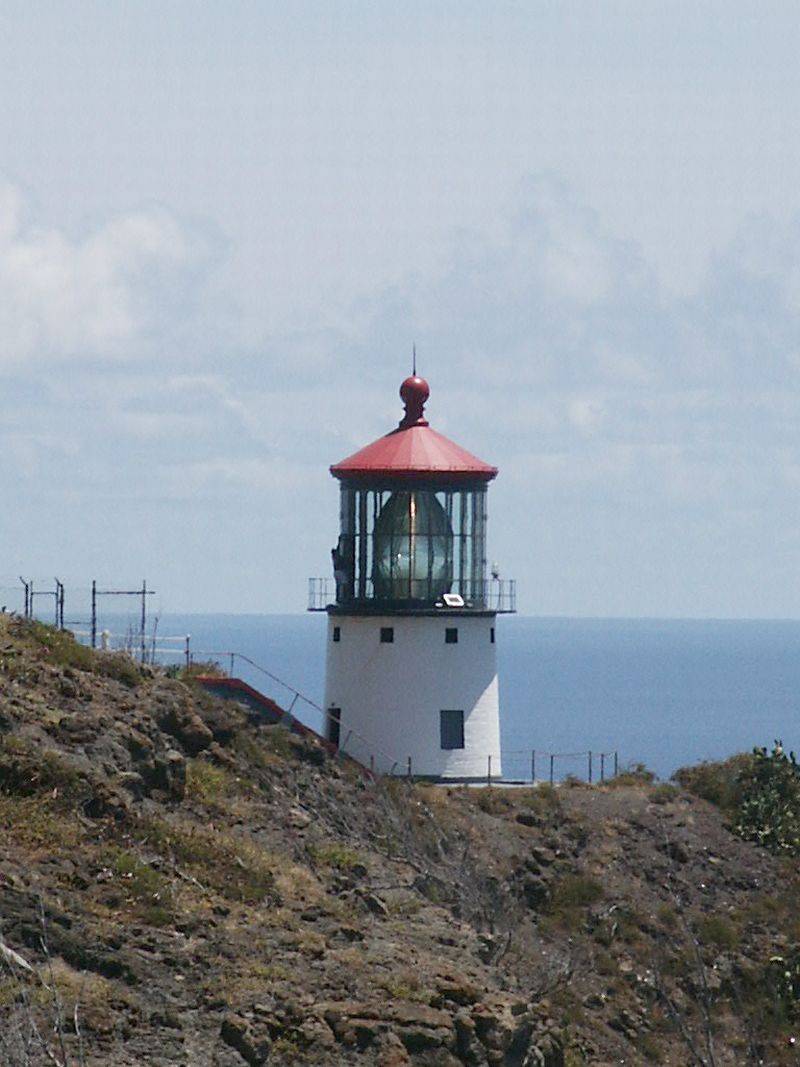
x,y
414,450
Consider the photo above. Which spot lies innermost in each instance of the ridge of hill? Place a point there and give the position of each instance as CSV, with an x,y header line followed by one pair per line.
x,y
181,884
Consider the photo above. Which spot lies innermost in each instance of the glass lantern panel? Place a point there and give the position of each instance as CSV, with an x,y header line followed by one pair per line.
x,y
412,548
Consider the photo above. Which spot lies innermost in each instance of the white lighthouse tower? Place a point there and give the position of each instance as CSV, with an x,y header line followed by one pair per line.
x,y
411,665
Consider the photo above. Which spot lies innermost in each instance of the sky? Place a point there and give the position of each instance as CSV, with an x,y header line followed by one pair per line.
x,y
223,226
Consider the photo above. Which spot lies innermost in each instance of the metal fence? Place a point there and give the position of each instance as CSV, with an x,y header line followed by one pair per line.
x,y
45,599
541,765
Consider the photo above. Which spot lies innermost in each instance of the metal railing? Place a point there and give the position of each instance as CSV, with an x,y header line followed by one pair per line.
x,y
538,765
489,594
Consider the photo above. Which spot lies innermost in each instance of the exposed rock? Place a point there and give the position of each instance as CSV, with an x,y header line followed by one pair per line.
x,y
185,726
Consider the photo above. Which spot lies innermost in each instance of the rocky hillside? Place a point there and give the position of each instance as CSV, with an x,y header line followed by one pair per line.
x,y
181,885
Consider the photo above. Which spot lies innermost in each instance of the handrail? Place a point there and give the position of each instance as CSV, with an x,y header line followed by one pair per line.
x,y
233,655
371,750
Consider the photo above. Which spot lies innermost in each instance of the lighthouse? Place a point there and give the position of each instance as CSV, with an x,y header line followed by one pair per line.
x,y
411,663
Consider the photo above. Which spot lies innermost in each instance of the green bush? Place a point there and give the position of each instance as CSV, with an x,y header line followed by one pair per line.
x,y
782,974
769,810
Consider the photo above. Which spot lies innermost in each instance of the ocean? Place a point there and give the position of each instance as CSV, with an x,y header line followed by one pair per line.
x,y
663,692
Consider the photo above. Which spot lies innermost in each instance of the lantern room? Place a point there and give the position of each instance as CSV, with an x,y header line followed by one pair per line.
x,y
412,523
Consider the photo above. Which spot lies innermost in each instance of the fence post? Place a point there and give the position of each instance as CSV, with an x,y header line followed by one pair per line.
x,y
371,763
533,766
616,764
590,767
409,767
602,766
94,613
552,761
144,621
233,657
187,652
489,770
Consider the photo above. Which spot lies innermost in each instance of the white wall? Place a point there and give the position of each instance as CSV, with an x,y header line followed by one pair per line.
x,y
391,694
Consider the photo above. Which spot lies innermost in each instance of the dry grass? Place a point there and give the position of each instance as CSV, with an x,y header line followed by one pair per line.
x,y
38,825
336,855
210,784
229,864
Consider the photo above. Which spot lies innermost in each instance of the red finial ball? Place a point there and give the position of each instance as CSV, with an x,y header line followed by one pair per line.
x,y
414,392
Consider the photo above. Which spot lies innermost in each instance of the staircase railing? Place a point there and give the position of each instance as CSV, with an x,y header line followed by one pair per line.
x,y
354,745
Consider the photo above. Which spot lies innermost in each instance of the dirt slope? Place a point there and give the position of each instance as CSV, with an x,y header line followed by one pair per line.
x,y
210,891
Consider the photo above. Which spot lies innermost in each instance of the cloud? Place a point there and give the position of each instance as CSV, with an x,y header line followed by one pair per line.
x,y
111,294
616,411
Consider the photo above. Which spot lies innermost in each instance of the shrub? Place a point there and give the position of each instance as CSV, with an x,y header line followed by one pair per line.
x,y
572,893
769,811
59,646
27,771
208,783
664,793
335,855
209,669
119,666
718,931
146,890
718,783
405,985
493,801
634,774
782,974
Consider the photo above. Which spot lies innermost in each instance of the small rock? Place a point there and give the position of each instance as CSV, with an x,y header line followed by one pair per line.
x,y
375,905
298,818
527,818
238,1034
458,991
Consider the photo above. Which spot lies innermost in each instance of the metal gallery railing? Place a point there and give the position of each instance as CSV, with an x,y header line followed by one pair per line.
x,y
490,594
